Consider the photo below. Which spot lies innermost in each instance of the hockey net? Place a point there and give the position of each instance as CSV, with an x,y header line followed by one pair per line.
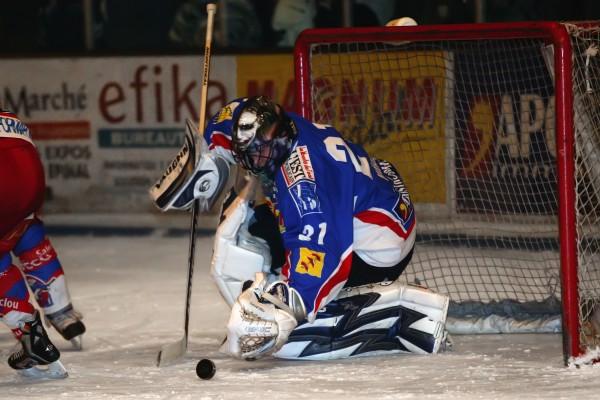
x,y
495,129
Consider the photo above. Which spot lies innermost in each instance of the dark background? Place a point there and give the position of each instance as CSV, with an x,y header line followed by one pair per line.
x,y
34,27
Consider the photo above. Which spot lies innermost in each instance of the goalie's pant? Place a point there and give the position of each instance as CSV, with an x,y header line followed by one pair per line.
x,y
361,273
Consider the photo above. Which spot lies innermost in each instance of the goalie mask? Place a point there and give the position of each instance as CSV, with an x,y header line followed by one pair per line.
x,y
262,136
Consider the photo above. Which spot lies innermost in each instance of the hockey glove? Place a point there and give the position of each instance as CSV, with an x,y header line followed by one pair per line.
x,y
193,174
262,318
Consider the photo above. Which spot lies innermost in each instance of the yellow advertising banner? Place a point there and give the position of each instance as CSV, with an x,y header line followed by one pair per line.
x,y
393,104
382,101
271,75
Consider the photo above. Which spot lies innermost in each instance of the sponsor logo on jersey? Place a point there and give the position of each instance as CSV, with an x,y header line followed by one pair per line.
x,y
43,298
299,176
38,257
304,194
298,167
375,167
226,112
13,126
404,209
311,262
392,175
42,287
8,303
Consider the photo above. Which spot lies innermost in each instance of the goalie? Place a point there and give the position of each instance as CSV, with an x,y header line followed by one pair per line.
x,y
347,231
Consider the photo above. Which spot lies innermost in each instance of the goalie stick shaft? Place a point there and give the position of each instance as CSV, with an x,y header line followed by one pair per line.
x,y
210,10
171,352
190,274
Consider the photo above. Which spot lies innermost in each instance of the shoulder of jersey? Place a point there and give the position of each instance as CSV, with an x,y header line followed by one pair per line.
x,y
229,111
311,134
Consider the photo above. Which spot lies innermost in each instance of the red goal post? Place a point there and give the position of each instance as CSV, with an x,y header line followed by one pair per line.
x,y
495,129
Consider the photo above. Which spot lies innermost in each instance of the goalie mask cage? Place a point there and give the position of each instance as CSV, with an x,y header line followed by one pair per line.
x,y
495,129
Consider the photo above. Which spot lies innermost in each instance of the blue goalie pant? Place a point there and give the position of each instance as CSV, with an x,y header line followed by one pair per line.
x,y
373,319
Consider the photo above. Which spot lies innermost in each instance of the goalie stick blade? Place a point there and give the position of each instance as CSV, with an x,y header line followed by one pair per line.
x,y
171,353
55,370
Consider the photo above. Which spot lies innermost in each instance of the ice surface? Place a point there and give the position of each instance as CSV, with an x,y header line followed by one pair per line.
x,y
131,290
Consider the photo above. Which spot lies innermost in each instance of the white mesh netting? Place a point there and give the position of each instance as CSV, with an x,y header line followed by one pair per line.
x,y
470,124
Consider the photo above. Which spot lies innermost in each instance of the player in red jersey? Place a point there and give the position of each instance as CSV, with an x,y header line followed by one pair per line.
x,y
23,235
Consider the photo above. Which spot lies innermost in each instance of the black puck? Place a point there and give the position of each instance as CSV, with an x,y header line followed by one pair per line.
x,y
205,369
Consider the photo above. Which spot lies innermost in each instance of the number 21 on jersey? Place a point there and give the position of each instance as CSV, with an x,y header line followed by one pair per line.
x,y
308,231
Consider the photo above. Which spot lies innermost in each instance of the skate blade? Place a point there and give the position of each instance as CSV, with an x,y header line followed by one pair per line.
x,y
55,370
77,342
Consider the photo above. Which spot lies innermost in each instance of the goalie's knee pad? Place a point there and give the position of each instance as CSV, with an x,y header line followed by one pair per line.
x,y
372,319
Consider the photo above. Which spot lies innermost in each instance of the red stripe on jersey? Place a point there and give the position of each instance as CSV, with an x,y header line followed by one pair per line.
x,y
381,219
220,140
339,276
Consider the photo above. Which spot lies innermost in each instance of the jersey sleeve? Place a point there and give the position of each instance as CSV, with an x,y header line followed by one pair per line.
x,y
314,197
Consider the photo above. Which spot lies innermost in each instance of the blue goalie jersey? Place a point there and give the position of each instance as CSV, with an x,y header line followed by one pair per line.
x,y
331,200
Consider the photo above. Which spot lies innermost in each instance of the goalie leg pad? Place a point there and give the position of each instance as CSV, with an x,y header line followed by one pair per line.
x,y
372,319
237,255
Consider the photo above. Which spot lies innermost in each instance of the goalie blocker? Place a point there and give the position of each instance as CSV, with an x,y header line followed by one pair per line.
x,y
194,173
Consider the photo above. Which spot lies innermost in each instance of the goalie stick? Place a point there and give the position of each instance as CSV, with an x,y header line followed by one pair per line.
x,y
173,351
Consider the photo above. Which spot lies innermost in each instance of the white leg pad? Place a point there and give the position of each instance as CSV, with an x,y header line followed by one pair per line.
x,y
421,332
237,255
424,301
433,305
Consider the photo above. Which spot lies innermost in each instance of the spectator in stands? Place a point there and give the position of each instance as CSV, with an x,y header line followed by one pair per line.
x,y
291,17
236,25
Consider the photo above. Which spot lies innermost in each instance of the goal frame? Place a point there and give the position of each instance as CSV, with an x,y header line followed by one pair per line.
x,y
550,32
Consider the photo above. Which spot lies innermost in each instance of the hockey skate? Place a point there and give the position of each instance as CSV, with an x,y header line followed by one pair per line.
x,y
68,323
38,357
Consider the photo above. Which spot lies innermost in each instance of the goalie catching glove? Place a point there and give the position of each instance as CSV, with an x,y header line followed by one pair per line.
x,y
186,179
262,319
